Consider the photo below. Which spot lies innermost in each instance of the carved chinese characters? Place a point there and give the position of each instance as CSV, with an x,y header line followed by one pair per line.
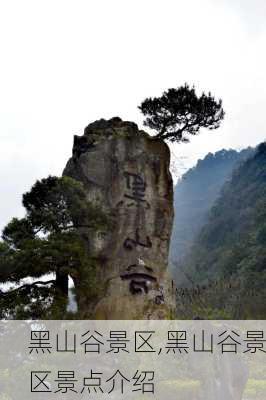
x,y
126,174
141,278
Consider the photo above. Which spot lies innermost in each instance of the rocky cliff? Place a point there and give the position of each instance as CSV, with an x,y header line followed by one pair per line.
x,y
125,173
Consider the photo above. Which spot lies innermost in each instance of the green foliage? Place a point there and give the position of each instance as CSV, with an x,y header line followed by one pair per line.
x,y
231,246
194,196
30,302
180,111
59,204
48,240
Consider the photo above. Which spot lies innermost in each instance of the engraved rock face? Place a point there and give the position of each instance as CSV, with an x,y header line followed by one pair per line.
x,y
126,173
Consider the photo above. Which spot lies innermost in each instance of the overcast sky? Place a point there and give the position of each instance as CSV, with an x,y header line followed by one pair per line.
x,y
66,63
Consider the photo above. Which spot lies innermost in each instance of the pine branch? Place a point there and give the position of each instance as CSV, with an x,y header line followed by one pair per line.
x,y
26,285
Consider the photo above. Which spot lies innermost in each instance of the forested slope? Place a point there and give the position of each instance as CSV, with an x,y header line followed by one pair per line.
x,y
196,193
227,263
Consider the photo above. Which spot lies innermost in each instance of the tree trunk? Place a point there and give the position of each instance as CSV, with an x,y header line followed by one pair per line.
x,y
61,283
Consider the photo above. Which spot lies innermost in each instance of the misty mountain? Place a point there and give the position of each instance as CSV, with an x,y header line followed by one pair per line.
x,y
225,270
196,193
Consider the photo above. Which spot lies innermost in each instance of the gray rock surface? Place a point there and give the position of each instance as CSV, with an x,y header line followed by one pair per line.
x,y
126,173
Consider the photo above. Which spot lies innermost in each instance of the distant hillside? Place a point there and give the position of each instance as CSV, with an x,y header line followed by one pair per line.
x,y
227,262
196,193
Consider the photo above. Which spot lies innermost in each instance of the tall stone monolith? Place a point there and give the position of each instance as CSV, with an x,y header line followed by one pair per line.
x,y
126,173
